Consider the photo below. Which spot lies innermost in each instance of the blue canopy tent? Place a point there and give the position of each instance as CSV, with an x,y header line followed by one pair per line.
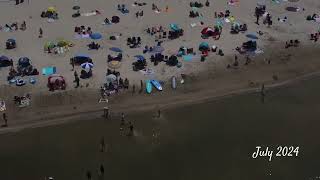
x,y
24,62
115,49
96,36
81,58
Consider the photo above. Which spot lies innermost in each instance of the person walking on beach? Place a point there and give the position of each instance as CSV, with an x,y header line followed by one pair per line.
x,y
89,176
76,79
40,33
4,117
102,145
257,15
133,89
101,170
263,94
159,113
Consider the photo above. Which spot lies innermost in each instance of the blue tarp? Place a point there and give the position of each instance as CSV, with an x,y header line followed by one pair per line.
x,y
115,49
188,57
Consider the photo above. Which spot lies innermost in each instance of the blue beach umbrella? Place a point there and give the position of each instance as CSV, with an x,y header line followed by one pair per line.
x,y
87,66
140,58
96,36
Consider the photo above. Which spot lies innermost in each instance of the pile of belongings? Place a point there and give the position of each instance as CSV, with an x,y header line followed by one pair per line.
x,y
172,61
22,101
196,4
93,45
25,67
209,32
175,31
122,8
194,13
56,82
10,28
140,63
50,13
58,47
236,28
11,44
134,42
139,4
314,17
249,46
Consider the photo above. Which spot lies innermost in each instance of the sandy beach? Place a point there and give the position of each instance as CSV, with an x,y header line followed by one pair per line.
x,y
209,78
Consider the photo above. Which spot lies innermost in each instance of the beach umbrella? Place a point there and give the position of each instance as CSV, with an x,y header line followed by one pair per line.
x,y
293,0
4,61
252,36
4,58
114,64
203,46
157,49
207,30
140,58
82,55
87,66
62,43
115,49
51,9
174,27
95,36
49,45
24,62
111,78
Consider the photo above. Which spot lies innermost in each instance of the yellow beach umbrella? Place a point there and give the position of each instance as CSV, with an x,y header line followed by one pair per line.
x,y
51,9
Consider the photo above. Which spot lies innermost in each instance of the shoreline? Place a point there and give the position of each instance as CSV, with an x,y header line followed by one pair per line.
x,y
94,113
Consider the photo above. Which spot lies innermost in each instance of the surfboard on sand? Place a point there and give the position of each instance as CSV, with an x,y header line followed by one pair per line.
x,y
148,87
156,84
173,82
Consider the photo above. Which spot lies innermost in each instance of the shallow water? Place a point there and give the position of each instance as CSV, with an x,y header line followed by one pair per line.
x,y
213,140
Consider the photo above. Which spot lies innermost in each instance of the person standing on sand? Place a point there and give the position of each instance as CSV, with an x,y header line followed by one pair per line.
x,y
141,86
40,33
89,176
4,116
159,113
72,64
76,79
133,89
101,170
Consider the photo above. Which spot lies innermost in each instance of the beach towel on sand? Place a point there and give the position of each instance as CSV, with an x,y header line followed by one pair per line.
x,y
48,71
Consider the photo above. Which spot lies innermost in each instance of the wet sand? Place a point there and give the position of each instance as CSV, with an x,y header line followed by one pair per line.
x,y
213,140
